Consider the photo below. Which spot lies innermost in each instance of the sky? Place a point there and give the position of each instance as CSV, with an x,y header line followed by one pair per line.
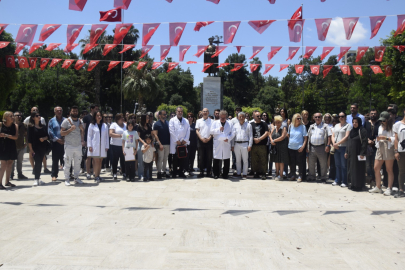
x,y
151,11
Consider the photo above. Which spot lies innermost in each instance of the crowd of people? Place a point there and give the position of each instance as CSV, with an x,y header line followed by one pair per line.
x,y
351,150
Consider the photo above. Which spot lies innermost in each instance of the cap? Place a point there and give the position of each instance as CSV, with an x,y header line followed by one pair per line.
x,y
384,116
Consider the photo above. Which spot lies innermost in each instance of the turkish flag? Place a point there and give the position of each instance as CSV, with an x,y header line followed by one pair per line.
x,y
379,53
358,70
4,44
33,62
299,69
343,51
128,47
172,66
19,47
169,1
238,48
315,69
272,1
145,50
237,66
349,24
26,33
52,46
35,47
73,31
112,64
77,5
223,65
148,30
230,29
66,64
326,51
214,1
200,50
89,47
273,52
122,3
155,65
44,63
54,62
108,48
182,51
92,65
400,25
121,30
141,65
70,47
256,50
48,30
22,62
296,31
296,16
198,25
79,64
220,49
388,70
322,27
400,48
2,27
261,26
376,69
191,62
96,31
309,51
254,67
326,69
268,67
361,51
207,66
164,51
292,52
113,15
127,64
375,24
345,69
10,61
175,32
283,66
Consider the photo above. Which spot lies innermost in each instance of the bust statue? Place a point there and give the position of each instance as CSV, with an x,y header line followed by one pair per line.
x,y
209,52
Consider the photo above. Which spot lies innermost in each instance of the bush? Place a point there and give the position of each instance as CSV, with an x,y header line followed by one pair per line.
x,y
171,109
250,110
1,115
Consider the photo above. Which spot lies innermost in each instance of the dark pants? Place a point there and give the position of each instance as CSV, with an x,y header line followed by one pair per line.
x,y
304,165
170,162
179,165
147,170
296,159
107,160
259,159
58,151
130,169
117,154
205,153
217,169
332,167
38,158
191,156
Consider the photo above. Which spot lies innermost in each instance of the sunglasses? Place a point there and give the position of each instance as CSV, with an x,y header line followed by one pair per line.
x,y
164,114
341,116
17,115
264,115
189,116
298,118
316,117
37,115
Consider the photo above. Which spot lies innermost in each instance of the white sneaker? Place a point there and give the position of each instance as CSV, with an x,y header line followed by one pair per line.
x,y
108,170
343,185
243,177
67,183
142,178
299,179
35,183
375,190
278,178
88,176
40,183
334,184
78,181
388,192
97,179
103,170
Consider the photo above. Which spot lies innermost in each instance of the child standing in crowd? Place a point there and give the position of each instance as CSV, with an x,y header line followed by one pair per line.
x,y
129,145
147,158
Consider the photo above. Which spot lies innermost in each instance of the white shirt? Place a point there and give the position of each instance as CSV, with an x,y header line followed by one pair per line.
x,y
399,128
27,120
179,131
204,127
117,130
222,149
243,133
389,134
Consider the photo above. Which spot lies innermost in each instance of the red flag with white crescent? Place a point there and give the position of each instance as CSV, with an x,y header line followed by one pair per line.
x,y
206,66
108,48
400,25
256,50
345,69
175,32
2,27
343,51
268,67
295,32
92,65
358,70
89,47
388,70
96,31
113,15
26,33
145,50
230,29
155,65
322,27
164,51
19,47
112,64
296,16
220,49
238,48
77,5
33,62
375,24
292,52
379,53
122,3
148,30
73,31
214,1
272,1
10,61
128,47
315,69
223,65
22,62
79,64
237,66
35,47
273,52
70,47
54,62
3,44
121,30
361,51
376,69
48,30
67,63
127,64
400,48
326,69
200,50
182,51
198,25
172,66
141,65
299,69
44,63
52,46
254,67
309,51
326,51
191,62
283,66
261,26
349,24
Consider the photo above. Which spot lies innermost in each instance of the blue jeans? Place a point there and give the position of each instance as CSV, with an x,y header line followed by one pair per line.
x,y
139,157
341,165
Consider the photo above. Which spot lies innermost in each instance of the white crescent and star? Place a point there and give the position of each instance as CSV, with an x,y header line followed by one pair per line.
x,y
101,29
178,27
315,69
358,69
74,30
22,61
3,44
151,28
123,28
10,59
232,26
29,28
116,14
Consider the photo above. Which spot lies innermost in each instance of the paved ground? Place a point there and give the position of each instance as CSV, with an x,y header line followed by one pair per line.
x,y
198,224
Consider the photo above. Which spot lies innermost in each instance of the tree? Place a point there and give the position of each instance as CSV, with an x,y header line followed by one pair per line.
x,y
8,76
229,106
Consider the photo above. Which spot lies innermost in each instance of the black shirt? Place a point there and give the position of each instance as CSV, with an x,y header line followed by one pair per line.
x,y
258,130
87,120
163,131
143,132
193,135
34,134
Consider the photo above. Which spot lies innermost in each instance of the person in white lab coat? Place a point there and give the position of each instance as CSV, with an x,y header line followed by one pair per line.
x,y
97,143
179,129
223,134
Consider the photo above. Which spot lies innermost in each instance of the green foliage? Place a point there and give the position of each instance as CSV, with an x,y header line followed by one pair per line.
x,y
250,110
171,108
1,115
176,99
229,106
8,76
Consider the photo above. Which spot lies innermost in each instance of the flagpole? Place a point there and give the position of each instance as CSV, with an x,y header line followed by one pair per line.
x,y
122,56
302,73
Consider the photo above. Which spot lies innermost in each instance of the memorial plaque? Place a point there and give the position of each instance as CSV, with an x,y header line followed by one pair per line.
x,y
211,95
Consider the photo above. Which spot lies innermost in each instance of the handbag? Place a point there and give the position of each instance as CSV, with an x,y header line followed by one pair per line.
x,y
273,150
181,151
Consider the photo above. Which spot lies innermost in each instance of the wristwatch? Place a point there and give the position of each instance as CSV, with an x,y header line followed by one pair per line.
x,y
387,138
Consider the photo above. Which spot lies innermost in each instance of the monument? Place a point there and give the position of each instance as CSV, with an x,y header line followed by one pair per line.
x,y
211,94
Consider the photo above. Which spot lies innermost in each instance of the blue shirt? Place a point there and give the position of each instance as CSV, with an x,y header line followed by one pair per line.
x,y
349,119
163,131
297,135
54,128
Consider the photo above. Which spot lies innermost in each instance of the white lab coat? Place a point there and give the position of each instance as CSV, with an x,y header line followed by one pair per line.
x,y
222,149
178,132
93,140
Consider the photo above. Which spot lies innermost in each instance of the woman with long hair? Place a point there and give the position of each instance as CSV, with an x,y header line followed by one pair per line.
x,y
8,149
144,128
37,142
298,137
279,146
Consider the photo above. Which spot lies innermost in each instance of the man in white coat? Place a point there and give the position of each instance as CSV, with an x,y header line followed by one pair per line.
x,y
179,129
223,134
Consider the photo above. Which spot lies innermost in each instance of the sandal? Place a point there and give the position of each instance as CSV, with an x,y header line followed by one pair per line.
x,y
9,184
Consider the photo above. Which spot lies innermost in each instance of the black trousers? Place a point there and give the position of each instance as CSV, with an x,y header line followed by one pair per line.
x,y
147,170
217,169
117,154
304,165
130,169
58,151
296,159
179,165
38,157
205,155
332,168
191,156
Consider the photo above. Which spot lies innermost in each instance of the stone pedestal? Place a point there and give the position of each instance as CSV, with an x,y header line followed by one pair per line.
x,y
211,95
